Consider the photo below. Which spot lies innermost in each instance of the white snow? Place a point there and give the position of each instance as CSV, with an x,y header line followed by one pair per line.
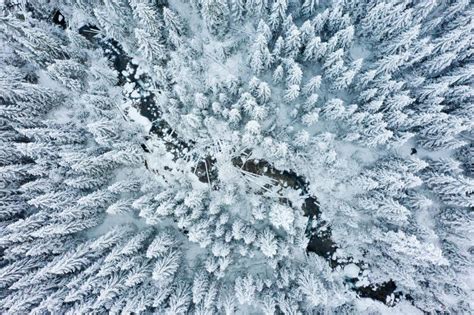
x,y
114,220
135,94
370,306
135,116
351,271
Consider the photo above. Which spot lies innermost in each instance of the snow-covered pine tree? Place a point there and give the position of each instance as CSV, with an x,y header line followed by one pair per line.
x,y
235,156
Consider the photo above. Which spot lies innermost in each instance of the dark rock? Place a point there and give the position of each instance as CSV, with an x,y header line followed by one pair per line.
x,y
379,292
59,19
89,31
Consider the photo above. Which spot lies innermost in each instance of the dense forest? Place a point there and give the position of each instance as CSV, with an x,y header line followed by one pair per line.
x,y
236,157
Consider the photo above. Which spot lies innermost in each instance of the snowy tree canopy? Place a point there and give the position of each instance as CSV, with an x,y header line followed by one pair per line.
x,y
236,156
